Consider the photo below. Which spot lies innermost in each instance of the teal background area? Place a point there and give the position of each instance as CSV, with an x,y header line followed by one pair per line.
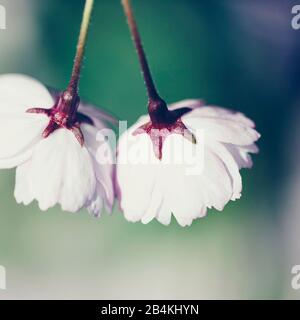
x,y
242,55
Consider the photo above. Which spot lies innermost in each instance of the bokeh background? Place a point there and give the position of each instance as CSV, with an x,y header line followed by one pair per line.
x,y
242,55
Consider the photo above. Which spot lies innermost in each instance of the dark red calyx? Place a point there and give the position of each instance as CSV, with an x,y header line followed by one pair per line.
x,y
64,114
163,123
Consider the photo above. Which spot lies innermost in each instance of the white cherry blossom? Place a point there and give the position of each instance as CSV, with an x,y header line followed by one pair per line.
x,y
161,187
180,159
53,168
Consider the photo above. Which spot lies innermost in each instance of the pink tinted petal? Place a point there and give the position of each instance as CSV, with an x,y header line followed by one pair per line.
x,y
95,205
98,115
104,171
188,103
241,154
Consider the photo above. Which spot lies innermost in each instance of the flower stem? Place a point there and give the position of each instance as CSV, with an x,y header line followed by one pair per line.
x,y
73,85
151,89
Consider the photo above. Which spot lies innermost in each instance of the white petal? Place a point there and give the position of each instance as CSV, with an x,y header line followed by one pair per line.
x,y
135,180
218,112
20,92
18,135
223,153
23,191
157,198
189,195
223,130
61,171
79,180
20,131
164,215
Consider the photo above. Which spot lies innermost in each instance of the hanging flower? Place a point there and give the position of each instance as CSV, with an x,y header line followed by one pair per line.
x,y
52,142
217,140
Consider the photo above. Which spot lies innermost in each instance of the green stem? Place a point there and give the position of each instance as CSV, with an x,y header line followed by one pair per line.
x,y
73,85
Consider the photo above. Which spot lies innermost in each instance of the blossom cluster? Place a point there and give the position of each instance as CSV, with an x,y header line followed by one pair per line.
x,y
179,159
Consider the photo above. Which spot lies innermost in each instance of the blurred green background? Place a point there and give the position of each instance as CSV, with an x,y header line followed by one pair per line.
x,y
237,54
